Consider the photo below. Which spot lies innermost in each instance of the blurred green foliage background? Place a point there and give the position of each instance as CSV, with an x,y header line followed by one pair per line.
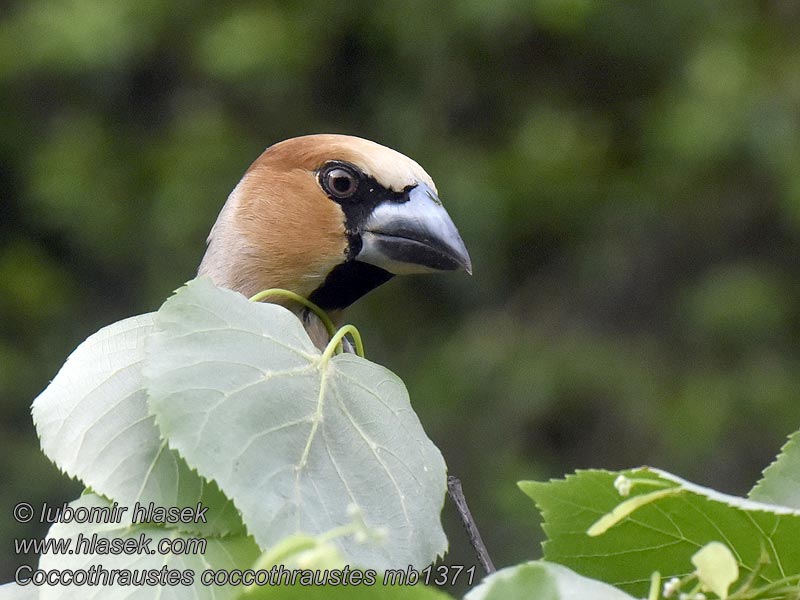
x,y
626,176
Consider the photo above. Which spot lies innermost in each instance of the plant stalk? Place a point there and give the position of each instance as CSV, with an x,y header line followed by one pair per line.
x,y
457,496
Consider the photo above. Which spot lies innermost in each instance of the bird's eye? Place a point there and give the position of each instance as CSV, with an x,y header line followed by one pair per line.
x,y
340,182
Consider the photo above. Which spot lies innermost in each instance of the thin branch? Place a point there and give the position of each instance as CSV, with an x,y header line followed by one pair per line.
x,y
457,495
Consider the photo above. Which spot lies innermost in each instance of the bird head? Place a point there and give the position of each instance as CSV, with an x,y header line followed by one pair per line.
x,y
331,217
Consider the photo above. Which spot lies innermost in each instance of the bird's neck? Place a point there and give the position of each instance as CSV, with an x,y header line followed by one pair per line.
x,y
314,326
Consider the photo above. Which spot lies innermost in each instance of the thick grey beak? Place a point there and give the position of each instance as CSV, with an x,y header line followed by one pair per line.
x,y
417,236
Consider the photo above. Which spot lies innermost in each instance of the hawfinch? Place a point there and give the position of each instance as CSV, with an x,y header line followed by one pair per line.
x,y
330,217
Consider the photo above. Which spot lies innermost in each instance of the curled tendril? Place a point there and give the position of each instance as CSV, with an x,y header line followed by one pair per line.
x,y
281,293
337,341
337,337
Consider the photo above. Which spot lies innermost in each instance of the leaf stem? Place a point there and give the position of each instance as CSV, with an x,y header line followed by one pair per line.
x,y
792,582
337,338
281,293
655,586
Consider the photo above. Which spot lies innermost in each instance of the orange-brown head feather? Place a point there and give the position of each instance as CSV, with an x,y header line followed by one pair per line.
x,y
279,229
284,226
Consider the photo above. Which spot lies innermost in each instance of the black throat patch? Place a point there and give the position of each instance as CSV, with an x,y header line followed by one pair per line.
x,y
346,283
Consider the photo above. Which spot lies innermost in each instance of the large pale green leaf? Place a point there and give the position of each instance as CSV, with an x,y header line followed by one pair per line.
x,y
300,442
93,423
781,481
314,558
543,581
227,552
12,591
659,527
376,591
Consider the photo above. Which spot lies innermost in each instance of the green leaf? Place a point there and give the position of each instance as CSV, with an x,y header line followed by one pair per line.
x,y
93,422
13,591
661,526
316,557
375,591
543,581
220,553
302,551
300,442
780,483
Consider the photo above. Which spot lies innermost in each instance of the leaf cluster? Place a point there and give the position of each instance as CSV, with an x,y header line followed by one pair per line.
x,y
316,461
219,402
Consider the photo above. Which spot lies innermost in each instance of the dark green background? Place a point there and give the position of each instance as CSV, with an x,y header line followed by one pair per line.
x,y
626,176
